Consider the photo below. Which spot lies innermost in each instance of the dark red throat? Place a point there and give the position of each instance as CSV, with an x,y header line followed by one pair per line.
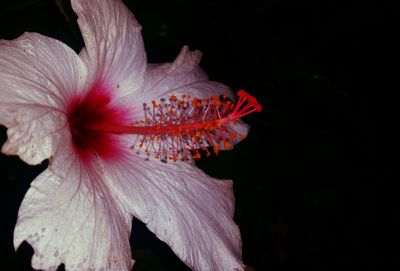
x,y
94,108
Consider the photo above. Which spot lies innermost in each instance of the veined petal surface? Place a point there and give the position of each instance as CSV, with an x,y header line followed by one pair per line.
x,y
114,51
70,216
38,75
187,209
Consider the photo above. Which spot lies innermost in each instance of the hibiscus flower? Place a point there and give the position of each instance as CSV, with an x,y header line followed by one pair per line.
x,y
120,136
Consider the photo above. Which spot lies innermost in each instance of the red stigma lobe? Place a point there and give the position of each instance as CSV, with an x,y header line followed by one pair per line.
x,y
178,128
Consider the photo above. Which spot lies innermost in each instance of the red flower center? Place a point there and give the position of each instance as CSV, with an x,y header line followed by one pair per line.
x,y
94,108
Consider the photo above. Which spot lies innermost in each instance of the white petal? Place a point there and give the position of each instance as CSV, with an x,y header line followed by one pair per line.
x,y
73,219
114,50
38,75
183,76
185,208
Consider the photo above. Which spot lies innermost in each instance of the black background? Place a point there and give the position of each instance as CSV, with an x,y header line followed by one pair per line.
x,y
306,175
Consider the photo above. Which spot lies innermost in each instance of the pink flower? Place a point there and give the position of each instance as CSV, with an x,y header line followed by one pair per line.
x,y
85,113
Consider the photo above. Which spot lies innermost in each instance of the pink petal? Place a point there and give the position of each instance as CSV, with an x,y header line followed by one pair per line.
x,y
37,76
69,216
185,208
183,76
114,50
